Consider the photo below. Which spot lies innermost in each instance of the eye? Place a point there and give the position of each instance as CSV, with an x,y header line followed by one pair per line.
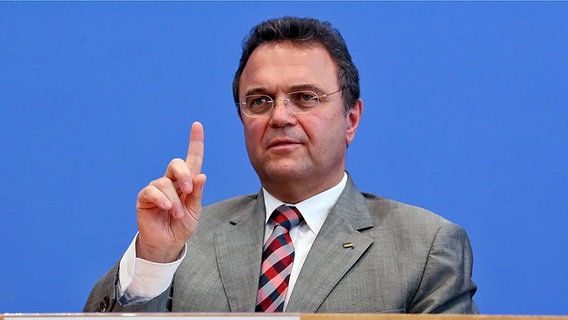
x,y
305,99
308,96
256,101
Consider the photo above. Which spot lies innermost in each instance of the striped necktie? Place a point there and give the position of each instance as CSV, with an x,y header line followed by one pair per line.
x,y
277,259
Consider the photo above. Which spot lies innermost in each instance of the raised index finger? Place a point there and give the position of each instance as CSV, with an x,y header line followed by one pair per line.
x,y
194,158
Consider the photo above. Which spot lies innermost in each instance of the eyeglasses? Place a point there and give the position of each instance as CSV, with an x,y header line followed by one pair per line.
x,y
258,105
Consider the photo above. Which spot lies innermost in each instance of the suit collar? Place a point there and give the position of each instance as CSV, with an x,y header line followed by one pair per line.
x,y
352,207
338,246
236,254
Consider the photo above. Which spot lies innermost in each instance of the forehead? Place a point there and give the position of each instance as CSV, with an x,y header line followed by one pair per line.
x,y
280,66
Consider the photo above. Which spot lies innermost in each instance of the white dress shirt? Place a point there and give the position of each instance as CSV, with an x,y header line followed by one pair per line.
x,y
141,280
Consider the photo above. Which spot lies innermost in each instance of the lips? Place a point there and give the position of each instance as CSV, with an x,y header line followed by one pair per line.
x,y
284,142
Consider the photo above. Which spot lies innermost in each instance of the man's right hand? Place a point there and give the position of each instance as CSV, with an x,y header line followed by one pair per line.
x,y
168,208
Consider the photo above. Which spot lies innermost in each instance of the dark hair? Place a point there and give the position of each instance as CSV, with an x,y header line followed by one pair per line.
x,y
304,31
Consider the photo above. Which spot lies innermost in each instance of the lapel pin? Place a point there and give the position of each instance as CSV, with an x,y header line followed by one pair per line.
x,y
348,245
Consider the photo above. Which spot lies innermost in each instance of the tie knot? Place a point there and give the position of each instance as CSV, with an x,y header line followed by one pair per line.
x,y
286,216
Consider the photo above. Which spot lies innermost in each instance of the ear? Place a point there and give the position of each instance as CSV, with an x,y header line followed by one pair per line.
x,y
353,118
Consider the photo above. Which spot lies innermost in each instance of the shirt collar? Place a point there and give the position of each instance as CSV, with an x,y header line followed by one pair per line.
x,y
314,209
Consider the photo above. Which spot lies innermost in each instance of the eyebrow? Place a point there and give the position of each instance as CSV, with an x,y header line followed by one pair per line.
x,y
307,86
297,87
257,90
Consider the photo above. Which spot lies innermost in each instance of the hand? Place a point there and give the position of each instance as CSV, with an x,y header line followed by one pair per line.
x,y
168,208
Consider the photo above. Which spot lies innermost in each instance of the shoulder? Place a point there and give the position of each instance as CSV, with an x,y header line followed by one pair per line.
x,y
239,202
409,220
228,209
384,208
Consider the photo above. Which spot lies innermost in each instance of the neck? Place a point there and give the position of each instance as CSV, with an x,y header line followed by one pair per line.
x,y
295,191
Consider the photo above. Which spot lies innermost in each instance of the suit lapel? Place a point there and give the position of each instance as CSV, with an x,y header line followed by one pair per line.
x,y
238,246
338,246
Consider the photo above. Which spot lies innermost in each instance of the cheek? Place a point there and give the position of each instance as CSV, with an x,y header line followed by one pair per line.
x,y
326,132
253,135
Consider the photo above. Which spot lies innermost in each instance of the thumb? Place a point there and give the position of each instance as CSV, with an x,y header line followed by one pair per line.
x,y
193,200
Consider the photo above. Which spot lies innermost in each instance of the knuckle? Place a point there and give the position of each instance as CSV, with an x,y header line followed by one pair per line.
x,y
158,185
161,183
176,169
175,163
145,195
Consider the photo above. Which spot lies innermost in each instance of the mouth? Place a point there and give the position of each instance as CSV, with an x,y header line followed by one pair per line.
x,y
283,143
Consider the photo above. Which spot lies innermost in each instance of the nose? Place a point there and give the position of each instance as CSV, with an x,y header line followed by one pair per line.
x,y
281,114
285,101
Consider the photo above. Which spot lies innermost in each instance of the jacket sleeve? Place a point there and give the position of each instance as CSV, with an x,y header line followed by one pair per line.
x,y
104,297
446,285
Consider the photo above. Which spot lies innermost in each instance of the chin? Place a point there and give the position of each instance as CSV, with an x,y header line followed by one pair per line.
x,y
282,172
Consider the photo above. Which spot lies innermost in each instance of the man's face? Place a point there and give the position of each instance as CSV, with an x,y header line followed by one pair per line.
x,y
296,155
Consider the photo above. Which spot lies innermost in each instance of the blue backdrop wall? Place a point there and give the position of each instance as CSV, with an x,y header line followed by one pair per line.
x,y
466,114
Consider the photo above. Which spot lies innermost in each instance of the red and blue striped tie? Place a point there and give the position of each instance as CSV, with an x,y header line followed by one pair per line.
x,y
277,259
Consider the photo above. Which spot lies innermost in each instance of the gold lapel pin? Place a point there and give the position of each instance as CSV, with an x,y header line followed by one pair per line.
x,y
348,245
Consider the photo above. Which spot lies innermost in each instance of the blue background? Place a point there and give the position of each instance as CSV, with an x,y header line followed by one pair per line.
x,y
466,114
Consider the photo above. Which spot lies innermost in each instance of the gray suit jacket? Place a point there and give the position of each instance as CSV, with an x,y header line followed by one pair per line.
x,y
403,259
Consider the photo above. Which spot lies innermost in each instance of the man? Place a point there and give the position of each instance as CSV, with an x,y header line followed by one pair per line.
x,y
336,249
